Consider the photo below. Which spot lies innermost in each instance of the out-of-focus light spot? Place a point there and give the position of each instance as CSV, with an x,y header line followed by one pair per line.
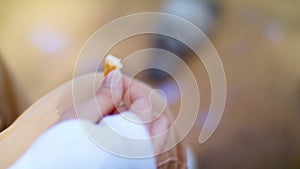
x,y
273,32
203,117
48,41
172,92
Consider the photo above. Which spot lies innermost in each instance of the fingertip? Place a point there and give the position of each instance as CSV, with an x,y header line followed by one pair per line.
x,y
113,79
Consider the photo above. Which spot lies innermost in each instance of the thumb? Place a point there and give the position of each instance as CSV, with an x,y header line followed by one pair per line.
x,y
110,93
106,99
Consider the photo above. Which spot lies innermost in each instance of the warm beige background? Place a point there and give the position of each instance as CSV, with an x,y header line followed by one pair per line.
x,y
260,126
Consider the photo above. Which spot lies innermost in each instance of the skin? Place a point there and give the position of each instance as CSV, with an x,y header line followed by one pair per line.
x,y
56,107
117,89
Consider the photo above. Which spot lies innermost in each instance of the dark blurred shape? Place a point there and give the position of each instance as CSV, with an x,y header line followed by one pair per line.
x,y
172,45
8,102
201,13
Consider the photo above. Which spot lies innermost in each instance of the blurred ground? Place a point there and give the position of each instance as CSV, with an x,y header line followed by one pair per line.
x,y
258,42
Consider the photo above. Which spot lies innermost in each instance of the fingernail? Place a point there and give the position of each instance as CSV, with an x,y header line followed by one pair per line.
x,y
113,78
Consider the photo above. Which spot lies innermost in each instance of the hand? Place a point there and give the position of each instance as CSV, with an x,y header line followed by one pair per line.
x,y
149,106
136,97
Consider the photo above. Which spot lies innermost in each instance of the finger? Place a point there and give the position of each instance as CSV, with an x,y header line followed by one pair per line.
x,y
107,99
111,92
146,103
135,89
136,98
141,98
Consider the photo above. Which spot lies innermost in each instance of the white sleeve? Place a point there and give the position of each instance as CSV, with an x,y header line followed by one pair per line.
x,y
66,145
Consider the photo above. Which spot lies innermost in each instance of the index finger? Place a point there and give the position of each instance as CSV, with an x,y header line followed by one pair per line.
x,y
143,99
136,94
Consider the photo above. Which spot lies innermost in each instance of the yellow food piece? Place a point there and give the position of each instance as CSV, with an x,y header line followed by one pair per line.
x,y
108,68
111,63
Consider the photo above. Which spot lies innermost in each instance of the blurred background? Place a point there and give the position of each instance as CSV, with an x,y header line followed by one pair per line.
x,y
258,42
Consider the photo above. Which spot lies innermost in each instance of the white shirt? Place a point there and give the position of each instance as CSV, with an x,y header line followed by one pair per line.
x,y
66,145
